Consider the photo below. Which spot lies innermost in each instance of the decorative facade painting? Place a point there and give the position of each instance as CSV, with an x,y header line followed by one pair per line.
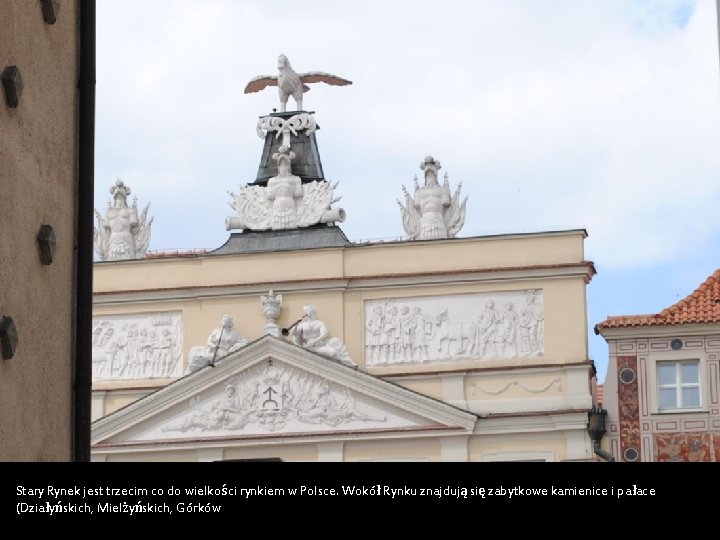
x,y
444,328
137,346
629,408
684,446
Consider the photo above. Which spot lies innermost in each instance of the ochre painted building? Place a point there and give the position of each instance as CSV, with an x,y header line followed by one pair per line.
x,y
452,392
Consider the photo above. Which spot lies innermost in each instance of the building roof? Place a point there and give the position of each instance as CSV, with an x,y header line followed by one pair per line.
x,y
322,236
702,306
176,253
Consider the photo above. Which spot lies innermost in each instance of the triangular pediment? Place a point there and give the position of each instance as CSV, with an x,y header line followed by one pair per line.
x,y
272,388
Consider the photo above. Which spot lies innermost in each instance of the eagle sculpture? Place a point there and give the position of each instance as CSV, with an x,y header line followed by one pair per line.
x,y
290,83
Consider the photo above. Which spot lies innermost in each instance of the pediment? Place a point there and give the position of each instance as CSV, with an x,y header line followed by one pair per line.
x,y
272,388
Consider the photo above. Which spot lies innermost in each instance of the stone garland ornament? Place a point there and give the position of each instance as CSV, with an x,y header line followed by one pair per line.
x,y
299,122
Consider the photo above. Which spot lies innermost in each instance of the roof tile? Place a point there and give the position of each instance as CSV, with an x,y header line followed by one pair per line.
x,y
702,306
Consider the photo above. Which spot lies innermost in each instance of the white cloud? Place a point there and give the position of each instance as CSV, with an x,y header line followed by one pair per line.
x,y
601,115
554,115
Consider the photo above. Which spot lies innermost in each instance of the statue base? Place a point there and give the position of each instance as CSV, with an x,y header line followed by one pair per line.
x,y
317,236
306,163
271,329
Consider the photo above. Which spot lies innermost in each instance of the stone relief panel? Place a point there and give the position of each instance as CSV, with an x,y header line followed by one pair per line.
x,y
276,398
454,327
137,346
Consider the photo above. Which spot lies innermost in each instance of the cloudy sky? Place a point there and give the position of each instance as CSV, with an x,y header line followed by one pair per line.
x,y
602,115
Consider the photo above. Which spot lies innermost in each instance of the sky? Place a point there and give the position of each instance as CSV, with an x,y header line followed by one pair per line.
x,y
601,115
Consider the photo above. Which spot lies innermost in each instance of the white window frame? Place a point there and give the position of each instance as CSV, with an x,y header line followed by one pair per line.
x,y
678,385
653,388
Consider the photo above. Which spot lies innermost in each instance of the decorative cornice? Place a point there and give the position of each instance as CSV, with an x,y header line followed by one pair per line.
x,y
530,368
279,440
670,330
535,422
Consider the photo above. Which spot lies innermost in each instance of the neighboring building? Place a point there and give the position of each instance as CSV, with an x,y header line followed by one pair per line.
x,y
445,349
661,388
41,110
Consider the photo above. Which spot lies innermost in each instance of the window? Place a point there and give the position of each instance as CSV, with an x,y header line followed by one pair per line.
x,y
678,385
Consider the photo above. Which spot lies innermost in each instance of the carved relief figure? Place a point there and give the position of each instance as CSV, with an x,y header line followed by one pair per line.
x,y
424,331
97,336
432,212
312,333
122,233
374,327
531,326
105,339
222,341
290,83
144,351
132,350
116,356
398,335
319,405
487,330
507,334
407,333
165,346
282,192
391,335
226,412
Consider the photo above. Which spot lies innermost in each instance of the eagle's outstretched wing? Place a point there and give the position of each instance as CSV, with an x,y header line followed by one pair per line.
x,y
320,76
260,82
